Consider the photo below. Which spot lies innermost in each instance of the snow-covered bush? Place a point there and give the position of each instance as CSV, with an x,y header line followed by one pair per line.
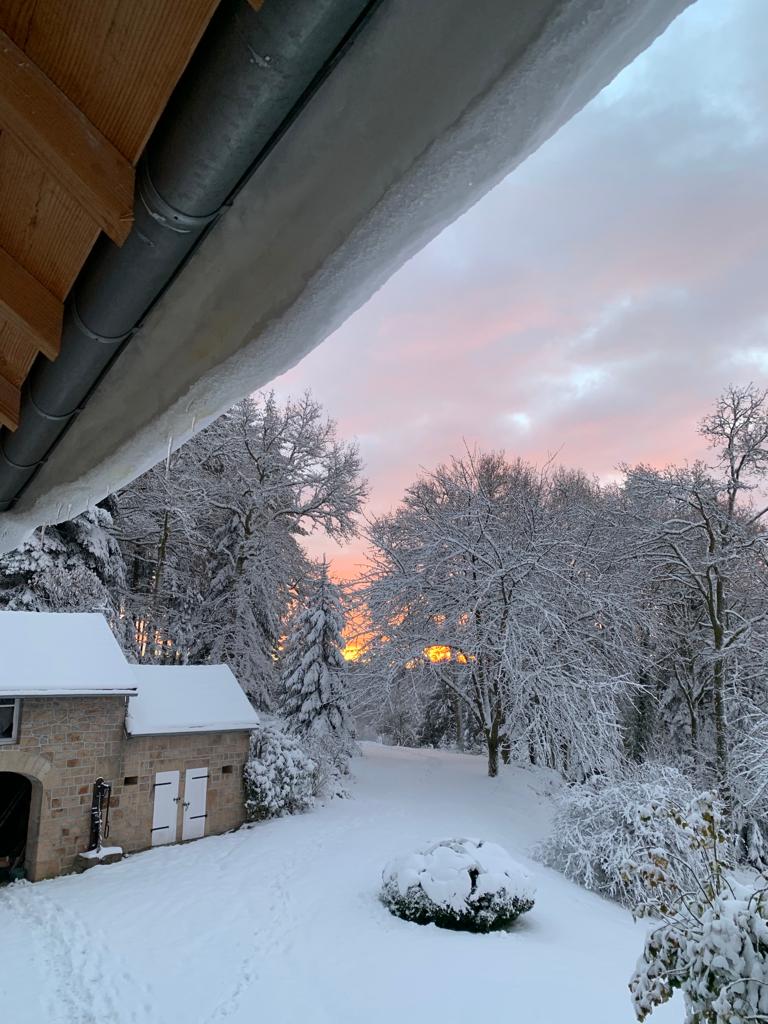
x,y
331,755
716,951
279,776
713,942
606,825
464,884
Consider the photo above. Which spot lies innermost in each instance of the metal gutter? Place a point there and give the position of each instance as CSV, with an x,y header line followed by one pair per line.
x,y
250,76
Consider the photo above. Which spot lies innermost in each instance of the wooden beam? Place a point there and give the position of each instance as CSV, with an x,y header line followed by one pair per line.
x,y
10,404
84,162
29,305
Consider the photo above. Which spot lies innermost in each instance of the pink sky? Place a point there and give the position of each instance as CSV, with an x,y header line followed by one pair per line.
x,y
597,301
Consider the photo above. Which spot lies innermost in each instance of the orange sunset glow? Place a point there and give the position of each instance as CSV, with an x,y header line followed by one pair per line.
x,y
357,646
354,649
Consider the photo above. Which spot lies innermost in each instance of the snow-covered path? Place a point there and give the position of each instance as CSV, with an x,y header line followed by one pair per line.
x,y
281,923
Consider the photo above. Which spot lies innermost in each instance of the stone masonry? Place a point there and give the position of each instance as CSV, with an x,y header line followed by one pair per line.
x,y
142,756
66,743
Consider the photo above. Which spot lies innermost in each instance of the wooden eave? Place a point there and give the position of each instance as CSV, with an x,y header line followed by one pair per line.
x,y
82,85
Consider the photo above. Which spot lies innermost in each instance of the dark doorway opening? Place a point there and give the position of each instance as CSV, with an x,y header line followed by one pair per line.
x,y
15,800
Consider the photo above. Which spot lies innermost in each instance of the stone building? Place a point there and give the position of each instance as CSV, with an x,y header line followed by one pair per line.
x,y
171,741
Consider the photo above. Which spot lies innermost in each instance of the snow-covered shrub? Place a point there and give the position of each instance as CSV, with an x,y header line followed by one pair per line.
x,y
331,755
716,952
279,776
464,884
713,942
606,825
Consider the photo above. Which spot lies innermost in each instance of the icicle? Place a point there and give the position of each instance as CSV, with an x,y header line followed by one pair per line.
x,y
168,455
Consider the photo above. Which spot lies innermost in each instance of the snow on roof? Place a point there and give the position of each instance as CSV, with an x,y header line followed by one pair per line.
x,y
187,698
52,654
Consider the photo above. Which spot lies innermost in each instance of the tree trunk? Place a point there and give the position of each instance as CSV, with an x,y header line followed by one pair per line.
x,y
638,734
694,732
492,742
721,744
718,701
458,718
161,551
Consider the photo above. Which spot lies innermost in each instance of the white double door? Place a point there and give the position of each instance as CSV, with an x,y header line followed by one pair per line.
x,y
167,799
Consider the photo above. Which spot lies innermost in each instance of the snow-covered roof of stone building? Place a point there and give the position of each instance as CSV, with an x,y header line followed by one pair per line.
x,y
53,654
187,698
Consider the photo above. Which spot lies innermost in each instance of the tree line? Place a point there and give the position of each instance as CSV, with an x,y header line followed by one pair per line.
x,y
586,624
200,559
531,612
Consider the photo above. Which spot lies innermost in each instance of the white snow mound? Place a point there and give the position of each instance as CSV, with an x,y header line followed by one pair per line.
x,y
455,872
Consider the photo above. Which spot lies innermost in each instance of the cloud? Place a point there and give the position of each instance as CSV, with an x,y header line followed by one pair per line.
x,y
598,300
520,420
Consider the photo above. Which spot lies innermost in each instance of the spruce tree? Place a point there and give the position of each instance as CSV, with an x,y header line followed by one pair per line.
x,y
314,669
75,566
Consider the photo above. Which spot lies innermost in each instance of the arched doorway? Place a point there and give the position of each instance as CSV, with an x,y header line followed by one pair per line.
x,y
15,807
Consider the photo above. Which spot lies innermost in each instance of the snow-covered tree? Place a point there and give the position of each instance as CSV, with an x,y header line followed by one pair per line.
x,y
706,551
481,560
212,537
314,671
246,597
75,566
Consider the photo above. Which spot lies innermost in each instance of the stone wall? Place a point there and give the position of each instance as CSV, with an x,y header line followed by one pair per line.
x,y
66,743
131,816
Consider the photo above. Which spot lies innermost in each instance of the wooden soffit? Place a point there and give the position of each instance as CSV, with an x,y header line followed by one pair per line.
x,y
82,85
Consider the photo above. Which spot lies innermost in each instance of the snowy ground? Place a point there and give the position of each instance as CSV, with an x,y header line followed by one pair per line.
x,y
280,922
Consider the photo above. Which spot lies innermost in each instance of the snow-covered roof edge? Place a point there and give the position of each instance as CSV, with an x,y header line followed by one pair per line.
x,y
180,730
61,654
177,699
475,113
53,691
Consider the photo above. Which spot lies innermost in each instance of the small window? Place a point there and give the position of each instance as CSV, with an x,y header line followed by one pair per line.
x,y
131,780
227,769
9,719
